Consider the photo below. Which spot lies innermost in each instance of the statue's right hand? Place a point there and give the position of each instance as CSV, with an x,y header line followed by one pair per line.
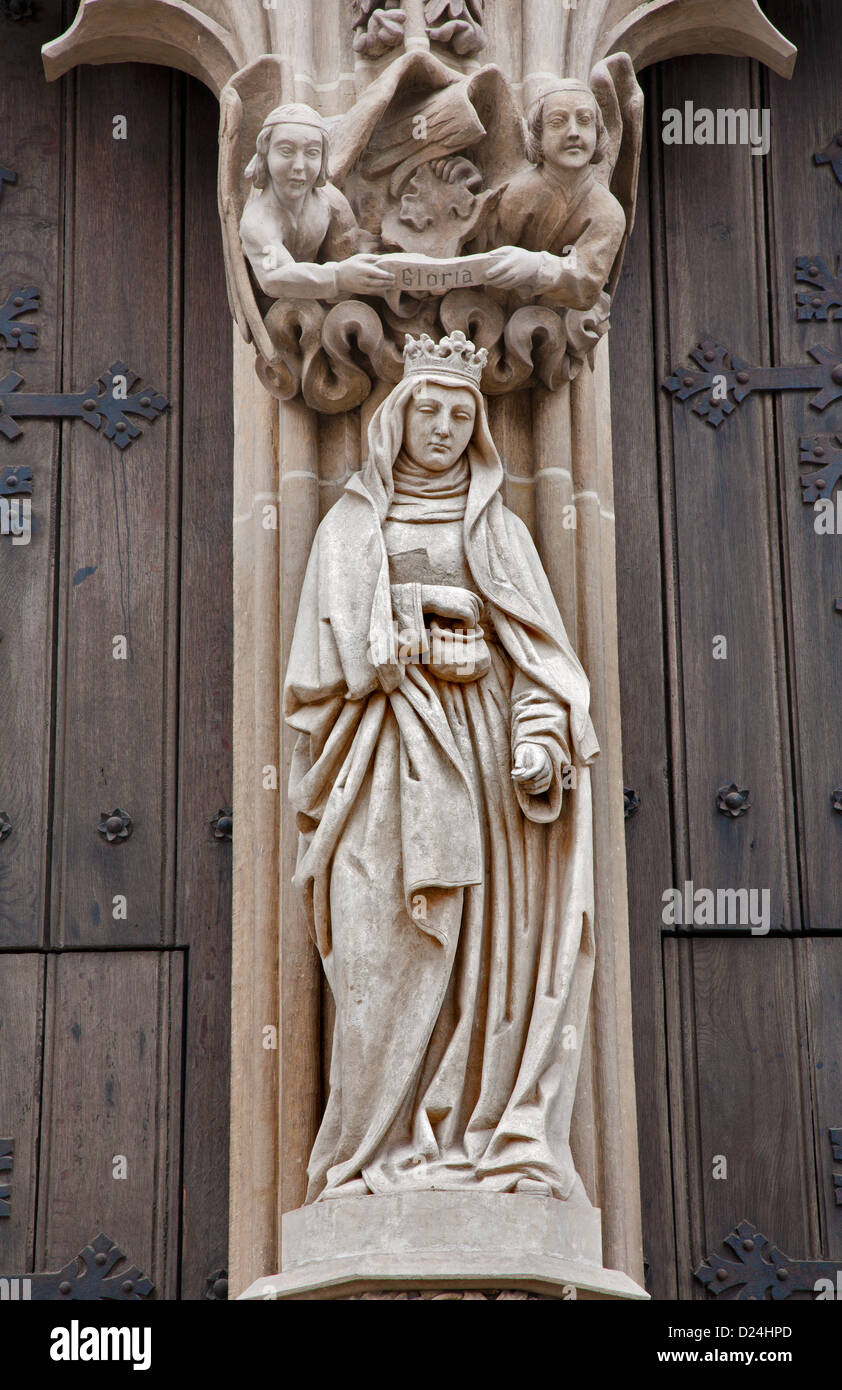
x,y
451,602
362,275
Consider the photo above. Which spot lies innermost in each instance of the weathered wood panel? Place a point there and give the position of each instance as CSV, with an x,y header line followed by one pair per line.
x,y
715,282
112,1080
822,983
117,723
744,1032
123,234
21,1025
30,234
753,1091
203,907
806,220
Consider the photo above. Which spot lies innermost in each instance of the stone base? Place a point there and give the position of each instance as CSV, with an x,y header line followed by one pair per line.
x,y
506,1243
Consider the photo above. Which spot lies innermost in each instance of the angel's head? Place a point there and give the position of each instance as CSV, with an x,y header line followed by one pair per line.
x,y
292,152
566,129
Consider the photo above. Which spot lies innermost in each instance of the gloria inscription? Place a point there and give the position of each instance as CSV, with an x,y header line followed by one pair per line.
x,y
434,205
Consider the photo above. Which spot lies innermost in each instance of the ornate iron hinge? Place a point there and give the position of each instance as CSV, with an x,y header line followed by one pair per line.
x,y
832,155
836,1145
97,405
7,1149
761,1270
86,1278
824,296
723,380
19,335
18,9
824,452
16,482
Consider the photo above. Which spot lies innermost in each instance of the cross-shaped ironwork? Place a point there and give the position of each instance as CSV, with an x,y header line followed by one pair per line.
x,y
723,380
823,300
832,155
104,405
836,1145
761,1270
7,1149
88,1277
15,482
825,452
19,335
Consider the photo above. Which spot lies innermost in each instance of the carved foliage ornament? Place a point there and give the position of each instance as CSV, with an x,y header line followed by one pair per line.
x,y
379,25
431,206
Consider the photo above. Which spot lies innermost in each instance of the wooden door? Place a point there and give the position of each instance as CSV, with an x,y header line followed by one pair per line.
x,y
738,1036
115,673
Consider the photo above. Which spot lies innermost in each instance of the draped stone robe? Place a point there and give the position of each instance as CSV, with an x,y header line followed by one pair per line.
x,y
452,910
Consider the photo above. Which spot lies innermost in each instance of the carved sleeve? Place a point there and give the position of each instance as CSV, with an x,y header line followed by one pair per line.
x,y
576,280
538,718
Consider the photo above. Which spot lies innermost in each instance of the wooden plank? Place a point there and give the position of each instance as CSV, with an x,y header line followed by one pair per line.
x,y
21,1025
715,285
120,523
112,1077
806,203
30,243
753,1092
204,757
645,735
822,971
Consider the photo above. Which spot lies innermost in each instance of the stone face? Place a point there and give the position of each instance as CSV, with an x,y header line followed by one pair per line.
x,y
428,167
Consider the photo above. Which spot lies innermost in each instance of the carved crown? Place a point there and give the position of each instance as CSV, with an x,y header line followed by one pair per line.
x,y
456,354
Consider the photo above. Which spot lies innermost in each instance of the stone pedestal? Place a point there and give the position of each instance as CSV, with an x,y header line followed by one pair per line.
x,y
485,1243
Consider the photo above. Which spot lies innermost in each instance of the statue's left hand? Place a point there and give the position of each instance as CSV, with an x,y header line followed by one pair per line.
x,y
533,770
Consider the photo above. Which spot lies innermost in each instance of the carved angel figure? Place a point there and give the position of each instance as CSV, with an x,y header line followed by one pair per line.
x,y
442,788
297,230
561,227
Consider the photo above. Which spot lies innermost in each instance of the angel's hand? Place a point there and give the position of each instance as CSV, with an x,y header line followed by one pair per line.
x,y
362,275
512,267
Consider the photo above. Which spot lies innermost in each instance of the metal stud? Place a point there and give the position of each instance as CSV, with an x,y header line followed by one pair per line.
x,y
631,802
18,9
216,1285
733,801
223,823
836,799
5,826
115,825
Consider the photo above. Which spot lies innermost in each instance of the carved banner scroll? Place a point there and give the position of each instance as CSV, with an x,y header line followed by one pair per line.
x,y
433,206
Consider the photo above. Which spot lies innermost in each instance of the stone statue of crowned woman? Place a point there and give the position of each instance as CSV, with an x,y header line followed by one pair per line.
x,y
441,782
